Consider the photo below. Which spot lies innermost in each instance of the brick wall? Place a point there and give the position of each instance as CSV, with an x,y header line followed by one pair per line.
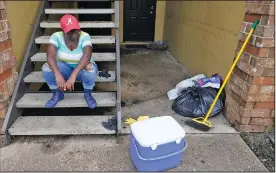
x,y
8,74
250,91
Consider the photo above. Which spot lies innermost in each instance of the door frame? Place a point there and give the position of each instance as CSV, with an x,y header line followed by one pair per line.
x,y
124,23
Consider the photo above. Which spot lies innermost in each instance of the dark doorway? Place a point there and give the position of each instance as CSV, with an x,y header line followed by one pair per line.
x,y
96,17
139,20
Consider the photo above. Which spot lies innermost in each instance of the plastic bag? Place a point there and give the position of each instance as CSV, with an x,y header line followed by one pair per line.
x,y
174,93
196,101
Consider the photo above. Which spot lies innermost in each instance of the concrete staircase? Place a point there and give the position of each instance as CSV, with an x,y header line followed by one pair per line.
x,y
16,124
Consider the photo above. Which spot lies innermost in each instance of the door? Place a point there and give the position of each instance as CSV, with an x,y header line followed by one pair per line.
x,y
139,20
96,17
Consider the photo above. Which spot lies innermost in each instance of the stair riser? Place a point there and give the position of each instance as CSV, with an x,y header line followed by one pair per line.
x,y
79,11
37,77
82,25
95,40
41,57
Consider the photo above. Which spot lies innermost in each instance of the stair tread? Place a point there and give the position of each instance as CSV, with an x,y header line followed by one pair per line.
x,y
41,57
37,77
95,39
79,11
60,125
83,24
38,100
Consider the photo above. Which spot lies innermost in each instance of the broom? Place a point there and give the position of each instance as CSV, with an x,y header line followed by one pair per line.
x,y
202,123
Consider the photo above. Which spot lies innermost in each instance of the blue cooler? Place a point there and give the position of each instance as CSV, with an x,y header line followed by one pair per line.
x,y
157,144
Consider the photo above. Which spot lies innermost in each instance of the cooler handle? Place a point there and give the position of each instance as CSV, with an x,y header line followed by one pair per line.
x,y
161,157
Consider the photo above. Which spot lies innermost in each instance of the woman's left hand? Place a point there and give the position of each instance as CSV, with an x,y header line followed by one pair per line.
x,y
69,85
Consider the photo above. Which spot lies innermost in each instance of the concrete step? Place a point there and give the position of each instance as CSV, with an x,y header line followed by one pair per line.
x,y
38,100
83,24
79,11
60,125
95,40
37,77
41,57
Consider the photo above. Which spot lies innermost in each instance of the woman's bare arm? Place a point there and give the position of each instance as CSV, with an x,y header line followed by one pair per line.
x,y
84,61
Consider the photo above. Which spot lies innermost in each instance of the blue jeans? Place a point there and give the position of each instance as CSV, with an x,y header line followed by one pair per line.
x,y
87,75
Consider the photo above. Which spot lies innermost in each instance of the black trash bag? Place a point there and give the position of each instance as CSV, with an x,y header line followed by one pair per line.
x,y
196,101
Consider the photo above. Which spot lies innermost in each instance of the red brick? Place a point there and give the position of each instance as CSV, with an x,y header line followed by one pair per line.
x,y
5,75
231,115
1,68
267,89
262,62
240,73
8,64
243,26
249,69
7,54
4,105
258,8
241,101
242,37
272,114
245,120
231,102
3,14
244,56
3,113
261,121
249,128
267,20
258,97
5,25
261,80
9,34
7,44
264,42
10,85
3,36
261,52
271,53
259,113
261,30
264,105
268,72
259,42
235,88
2,4
251,17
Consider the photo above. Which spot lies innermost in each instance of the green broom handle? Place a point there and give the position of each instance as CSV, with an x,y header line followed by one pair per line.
x,y
230,71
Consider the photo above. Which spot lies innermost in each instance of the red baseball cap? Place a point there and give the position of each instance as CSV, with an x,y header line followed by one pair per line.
x,y
68,23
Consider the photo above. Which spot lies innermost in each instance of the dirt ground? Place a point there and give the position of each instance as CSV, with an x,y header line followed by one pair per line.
x,y
263,148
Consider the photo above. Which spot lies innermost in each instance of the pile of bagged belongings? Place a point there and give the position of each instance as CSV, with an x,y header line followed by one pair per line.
x,y
194,96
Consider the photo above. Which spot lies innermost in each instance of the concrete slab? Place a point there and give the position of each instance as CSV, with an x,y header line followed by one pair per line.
x,y
161,106
146,74
38,100
60,125
213,152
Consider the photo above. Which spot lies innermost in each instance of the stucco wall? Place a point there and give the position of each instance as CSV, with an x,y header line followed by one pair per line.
x,y
202,35
21,16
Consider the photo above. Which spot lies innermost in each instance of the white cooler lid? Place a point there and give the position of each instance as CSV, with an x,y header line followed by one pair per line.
x,y
157,131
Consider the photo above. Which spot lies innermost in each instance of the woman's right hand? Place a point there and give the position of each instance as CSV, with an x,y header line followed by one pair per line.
x,y
60,82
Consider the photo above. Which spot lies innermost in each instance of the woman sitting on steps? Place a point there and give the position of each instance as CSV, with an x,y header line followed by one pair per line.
x,y
69,59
